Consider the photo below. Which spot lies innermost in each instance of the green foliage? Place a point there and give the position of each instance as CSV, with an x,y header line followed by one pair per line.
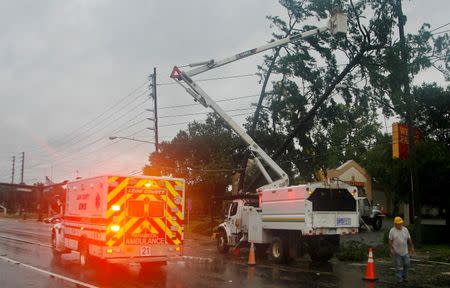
x,y
439,253
346,125
352,251
433,112
205,155
358,251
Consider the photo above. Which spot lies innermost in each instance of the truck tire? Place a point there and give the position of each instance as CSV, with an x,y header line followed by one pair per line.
x,y
56,253
278,250
377,223
222,242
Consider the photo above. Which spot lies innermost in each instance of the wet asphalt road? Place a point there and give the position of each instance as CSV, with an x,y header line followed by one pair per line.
x,y
26,261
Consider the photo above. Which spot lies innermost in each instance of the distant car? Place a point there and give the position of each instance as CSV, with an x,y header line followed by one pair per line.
x,y
370,214
53,219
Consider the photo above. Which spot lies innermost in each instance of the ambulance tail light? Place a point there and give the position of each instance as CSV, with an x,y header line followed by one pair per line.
x,y
115,207
115,228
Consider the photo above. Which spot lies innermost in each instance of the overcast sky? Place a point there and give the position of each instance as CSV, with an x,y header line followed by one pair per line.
x,y
74,73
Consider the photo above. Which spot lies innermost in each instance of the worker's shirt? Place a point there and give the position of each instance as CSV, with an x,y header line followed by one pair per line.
x,y
399,240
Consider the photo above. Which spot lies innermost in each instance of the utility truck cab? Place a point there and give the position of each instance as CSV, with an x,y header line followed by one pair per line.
x,y
292,220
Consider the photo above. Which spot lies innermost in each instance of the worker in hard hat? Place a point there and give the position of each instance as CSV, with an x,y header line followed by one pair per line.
x,y
399,240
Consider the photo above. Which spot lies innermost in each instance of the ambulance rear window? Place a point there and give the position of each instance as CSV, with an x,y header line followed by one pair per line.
x,y
136,208
156,209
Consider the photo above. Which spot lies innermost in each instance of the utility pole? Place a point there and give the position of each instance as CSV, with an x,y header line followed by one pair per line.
x,y
13,169
409,117
153,95
23,164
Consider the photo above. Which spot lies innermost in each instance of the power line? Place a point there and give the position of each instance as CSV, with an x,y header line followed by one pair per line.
x,y
203,113
60,159
129,120
440,27
70,135
440,32
212,79
222,100
186,122
98,130
111,115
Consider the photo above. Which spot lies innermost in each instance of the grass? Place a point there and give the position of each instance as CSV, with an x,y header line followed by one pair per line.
x,y
358,251
440,253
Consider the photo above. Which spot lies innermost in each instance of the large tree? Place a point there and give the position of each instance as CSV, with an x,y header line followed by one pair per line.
x,y
321,126
205,154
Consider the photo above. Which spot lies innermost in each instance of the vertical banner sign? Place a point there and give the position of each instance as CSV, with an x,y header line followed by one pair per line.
x,y
400,147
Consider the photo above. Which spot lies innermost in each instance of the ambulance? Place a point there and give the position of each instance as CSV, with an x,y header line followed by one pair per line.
x,y
122,219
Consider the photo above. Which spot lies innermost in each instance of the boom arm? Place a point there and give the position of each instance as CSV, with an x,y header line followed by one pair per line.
x,y
337,24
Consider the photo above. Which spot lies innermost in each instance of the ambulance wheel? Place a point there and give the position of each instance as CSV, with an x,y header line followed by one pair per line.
x,y
55,252
277,251
222,242
84,254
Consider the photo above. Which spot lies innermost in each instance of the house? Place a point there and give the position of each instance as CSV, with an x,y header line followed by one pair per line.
x,y
354,174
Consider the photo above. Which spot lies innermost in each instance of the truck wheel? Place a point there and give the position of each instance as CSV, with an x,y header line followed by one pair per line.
x,y
277,250
377,223
84,254
222,241
55,252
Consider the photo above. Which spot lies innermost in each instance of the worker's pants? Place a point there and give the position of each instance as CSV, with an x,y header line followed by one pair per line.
x,y
402,264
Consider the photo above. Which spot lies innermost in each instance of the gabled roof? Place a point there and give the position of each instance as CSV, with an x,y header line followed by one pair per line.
x,y
349,164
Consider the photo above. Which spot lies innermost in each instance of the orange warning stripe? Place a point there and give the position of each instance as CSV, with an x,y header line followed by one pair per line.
x,y
118,196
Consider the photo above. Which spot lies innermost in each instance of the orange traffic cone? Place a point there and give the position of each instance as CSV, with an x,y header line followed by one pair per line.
x,y
251,255
370,268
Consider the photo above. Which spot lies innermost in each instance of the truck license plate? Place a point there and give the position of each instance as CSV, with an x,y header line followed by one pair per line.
x,y
346,221
145,251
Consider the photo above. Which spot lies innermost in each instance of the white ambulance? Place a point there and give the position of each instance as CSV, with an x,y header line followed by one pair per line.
x,y
122,219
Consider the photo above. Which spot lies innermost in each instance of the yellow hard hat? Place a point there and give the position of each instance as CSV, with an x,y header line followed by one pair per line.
x,y
398,220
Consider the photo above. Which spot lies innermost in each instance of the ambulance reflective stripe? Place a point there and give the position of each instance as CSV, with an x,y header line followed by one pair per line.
x,y
169,214
116,238
173,212
123,182
176,201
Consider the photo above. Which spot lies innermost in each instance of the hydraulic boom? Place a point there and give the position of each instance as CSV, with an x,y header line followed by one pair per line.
x,y
336,24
